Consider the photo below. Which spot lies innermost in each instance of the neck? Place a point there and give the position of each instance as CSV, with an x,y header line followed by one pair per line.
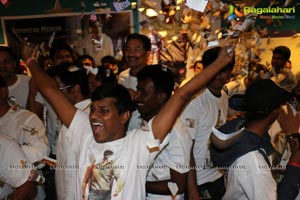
x,y
259,127
215,92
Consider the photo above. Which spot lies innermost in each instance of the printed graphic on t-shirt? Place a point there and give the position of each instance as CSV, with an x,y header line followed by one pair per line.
x,y
100,177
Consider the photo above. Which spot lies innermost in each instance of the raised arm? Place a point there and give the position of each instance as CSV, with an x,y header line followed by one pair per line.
x,y
49,89
165,119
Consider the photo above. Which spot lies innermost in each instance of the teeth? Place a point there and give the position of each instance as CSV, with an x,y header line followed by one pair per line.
x,y
96,124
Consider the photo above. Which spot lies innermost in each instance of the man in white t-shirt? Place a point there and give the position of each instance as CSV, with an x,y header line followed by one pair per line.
x,y
17,175
167,177
73,82
136,52
105,129
208,109
17,83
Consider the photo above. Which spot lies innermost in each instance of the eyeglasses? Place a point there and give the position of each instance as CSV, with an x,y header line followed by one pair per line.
x,y
65,87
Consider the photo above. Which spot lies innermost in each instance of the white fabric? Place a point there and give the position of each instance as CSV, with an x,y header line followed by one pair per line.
x,y
131,157
20,90
28,130
127,80
249,177
51,121
175,156
236,87
65,174
201,114
87,46
11,171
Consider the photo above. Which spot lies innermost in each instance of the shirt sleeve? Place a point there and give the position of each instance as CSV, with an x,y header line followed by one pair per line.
x,y
79,128
15,168
36,145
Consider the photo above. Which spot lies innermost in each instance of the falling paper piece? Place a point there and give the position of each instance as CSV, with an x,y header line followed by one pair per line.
x,y
198,5
119,6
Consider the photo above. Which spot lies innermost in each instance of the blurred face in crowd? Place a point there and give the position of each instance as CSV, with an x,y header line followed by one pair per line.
x,y
136,56
93,83
148,100
198,68
278,62
87,62
218,82
7,67
62,56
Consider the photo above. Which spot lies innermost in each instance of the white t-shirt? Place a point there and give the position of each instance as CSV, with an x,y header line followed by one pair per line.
x,y
130,157
11,171
20,90
65,174
200,115
28,130
249,177
51,121
127,80
175,156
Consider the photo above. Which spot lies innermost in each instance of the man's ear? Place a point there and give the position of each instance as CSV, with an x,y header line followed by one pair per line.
x,y
125,116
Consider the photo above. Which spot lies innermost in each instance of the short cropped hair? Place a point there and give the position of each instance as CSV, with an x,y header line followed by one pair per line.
x,y
71,77
162,78
143,38
210,55
116,91
283,51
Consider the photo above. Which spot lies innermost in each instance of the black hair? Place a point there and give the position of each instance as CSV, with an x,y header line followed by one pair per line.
x,y
143,38
105,75
283,51
109,59
71,75
263,97
116,91
162,78
83,57
210,55
60,46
